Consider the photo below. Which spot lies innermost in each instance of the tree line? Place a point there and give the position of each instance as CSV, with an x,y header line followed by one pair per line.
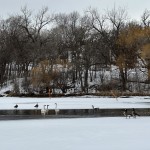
x,y
73,51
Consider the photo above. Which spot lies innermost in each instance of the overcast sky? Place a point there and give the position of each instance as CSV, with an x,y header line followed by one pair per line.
x,y
134,8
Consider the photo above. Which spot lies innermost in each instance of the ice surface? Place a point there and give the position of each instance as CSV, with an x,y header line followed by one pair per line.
x,y
75,102
76,134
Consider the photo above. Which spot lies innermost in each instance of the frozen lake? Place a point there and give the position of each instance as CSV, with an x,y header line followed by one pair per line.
x,y
76,134
75,102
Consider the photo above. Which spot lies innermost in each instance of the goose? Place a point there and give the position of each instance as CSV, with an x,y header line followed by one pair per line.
x,y
94,109
16,106
126,114
36,106
134,114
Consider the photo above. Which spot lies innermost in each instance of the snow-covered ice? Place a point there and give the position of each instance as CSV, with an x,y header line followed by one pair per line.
x,y
111,133
75,102
76,134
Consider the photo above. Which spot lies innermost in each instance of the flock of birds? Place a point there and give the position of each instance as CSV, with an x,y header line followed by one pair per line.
x,y
37,105
44,111
133,113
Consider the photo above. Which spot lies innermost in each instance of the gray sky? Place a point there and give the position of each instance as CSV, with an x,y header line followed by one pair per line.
x,y
135,8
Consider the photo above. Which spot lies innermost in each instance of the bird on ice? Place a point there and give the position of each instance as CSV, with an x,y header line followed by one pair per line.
x,y
16,106
36,106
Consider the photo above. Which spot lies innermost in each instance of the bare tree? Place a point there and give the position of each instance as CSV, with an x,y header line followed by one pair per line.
x,y
146,18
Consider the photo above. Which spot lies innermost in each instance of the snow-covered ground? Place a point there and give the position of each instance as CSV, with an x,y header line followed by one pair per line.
x,y
75,102
76,134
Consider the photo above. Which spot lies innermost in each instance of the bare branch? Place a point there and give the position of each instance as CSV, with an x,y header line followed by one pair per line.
x,y
146,18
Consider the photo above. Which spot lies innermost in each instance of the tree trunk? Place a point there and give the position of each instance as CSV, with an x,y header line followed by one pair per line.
x,y
123,75
86,80
2,72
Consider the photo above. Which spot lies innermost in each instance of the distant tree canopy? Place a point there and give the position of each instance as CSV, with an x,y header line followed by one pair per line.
x,y
67,51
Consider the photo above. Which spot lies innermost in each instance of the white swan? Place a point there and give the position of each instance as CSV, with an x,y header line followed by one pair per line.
x,y
47,106
47,109
43,111
56,110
